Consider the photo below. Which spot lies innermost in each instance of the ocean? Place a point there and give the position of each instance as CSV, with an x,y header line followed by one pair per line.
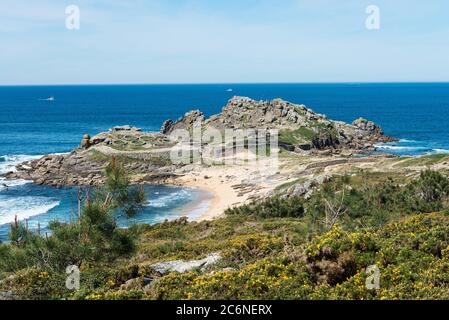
x,y
32,125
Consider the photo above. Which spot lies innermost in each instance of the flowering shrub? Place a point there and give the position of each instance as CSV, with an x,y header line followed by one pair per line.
x,y
37,284
266,279
412,255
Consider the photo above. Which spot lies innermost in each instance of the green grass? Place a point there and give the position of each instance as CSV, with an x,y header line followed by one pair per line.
x,y
288,184
422,161
361,178
128,146
100,157
298,136
306,134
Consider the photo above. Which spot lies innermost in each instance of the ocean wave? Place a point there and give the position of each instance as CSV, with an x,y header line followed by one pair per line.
x,y
9,162
411,149
57,154
19,157
24,207
5,184
399,148
167,200
439,151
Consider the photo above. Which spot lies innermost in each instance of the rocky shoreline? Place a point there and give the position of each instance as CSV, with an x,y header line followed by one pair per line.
x,y
146,155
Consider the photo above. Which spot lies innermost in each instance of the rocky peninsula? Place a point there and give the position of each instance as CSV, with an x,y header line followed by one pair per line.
x,y
309,142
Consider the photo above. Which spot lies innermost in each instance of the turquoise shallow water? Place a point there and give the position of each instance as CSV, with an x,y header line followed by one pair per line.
x,y
31,125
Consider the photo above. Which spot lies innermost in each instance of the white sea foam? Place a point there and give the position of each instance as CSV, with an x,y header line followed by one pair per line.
x,y
9,162
24,207
414,150
57,154
440,151
398,148
5,184
165,201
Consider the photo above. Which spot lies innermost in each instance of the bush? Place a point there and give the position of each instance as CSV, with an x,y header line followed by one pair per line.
x,y
333,266
273,207
375,205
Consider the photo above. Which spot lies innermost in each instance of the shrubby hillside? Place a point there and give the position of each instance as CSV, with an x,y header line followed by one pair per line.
x,y
279,248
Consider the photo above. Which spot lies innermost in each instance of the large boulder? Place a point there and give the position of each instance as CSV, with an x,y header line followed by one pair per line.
x,y
184,266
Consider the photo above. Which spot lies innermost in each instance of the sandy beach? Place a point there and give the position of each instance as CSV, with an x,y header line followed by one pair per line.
x,y
227,186
221,197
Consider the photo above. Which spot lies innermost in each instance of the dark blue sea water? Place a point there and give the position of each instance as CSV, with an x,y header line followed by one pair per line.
x,y
31,125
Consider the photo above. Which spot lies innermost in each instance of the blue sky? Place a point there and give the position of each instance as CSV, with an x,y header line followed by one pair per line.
x,y
199,41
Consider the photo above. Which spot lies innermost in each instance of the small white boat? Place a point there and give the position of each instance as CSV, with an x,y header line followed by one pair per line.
x,y
229,90
48,99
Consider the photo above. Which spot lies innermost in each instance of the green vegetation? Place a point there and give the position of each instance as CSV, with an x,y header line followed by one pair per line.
x,y
39,262
423,161
374,205
126,142
355,204
412,255
288,184
138,142
312,133
156,160
102,158
280,248
298,136
117,192
272,207
377,225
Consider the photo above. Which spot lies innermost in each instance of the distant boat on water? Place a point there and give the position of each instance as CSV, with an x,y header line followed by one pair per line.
x,y
48,99
229,90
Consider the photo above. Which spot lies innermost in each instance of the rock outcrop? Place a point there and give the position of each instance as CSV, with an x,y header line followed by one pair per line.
x,y
187,122
306,188
368,127
184,266
166,127
300,128
60,170
143,154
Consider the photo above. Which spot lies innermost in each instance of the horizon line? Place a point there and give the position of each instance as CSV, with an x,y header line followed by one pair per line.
x,y
219,83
